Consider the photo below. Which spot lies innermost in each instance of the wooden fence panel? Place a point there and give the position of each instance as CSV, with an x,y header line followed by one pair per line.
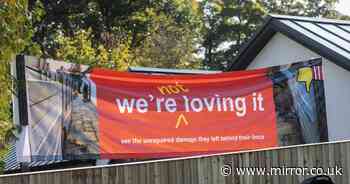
x,y
205,170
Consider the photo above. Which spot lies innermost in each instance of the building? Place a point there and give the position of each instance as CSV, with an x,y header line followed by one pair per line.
x,y
286,39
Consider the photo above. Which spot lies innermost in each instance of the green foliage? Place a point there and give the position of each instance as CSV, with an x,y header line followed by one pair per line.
x,y
15,29
310,8
164,33
5,101
15,35
79,49
118,34
168,45
228,24
3,154
121,56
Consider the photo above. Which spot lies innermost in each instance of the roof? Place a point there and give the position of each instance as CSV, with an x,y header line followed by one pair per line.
x,y
169,71
327,37
12,166
11,163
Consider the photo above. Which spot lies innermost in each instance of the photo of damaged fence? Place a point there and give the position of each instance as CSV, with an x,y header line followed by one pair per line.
x,y
62,120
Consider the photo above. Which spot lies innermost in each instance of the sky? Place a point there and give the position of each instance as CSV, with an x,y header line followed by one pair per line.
x,y
344,7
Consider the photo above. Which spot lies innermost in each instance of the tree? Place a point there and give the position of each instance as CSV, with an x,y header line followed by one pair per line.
x,y
130,26
15,33
228,24
309,8
167,45
15,28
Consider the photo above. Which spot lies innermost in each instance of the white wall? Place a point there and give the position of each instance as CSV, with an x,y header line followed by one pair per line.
x,y
282,50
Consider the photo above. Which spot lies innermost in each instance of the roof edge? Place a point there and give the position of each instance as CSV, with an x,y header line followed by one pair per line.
x,y
311,19
264,33
312,45
170,71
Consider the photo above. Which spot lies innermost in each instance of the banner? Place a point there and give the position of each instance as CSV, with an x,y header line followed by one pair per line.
x,y
75,113
163,116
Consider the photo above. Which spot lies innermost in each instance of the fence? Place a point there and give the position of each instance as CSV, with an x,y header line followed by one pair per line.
x,y
204,170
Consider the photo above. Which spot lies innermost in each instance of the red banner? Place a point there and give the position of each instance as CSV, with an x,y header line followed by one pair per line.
x,y
145,116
